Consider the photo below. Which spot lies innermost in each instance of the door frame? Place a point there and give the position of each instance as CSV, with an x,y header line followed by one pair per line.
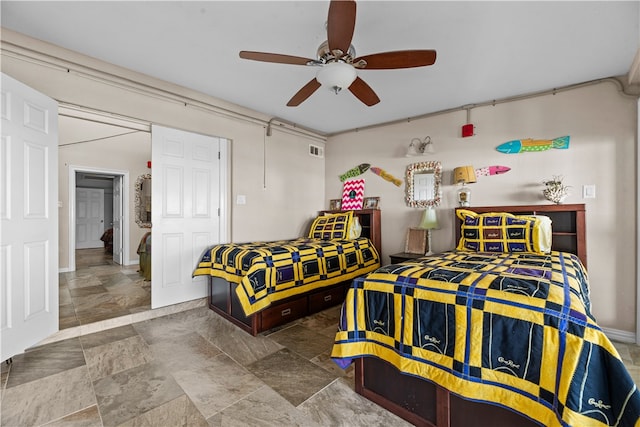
x,y
72,210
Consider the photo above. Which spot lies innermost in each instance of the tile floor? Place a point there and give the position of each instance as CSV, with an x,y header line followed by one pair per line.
x,y
99,289
189,368
192,368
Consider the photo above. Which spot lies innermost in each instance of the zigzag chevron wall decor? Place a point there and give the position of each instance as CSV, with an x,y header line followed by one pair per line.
x,y
353,194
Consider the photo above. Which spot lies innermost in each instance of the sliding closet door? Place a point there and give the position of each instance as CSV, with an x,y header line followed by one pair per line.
x,y
187,190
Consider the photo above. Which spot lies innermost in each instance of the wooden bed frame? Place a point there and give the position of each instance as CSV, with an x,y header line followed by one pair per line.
x,y
423,403
223,299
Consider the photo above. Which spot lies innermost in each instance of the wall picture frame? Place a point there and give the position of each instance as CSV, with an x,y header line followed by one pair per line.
x,y
371,203
352,194
416,242
335,204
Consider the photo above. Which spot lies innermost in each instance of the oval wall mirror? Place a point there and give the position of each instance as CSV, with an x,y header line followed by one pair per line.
x,y
143,201
423,184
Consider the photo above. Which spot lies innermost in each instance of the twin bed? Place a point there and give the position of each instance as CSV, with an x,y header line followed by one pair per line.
x,y
258,286
474,338
496,333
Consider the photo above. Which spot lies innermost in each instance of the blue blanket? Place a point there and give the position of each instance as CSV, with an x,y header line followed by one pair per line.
x,y
272,271
513,330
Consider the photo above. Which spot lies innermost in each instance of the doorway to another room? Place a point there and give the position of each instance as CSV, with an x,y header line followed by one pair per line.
x,y
99,277
100,285
106,267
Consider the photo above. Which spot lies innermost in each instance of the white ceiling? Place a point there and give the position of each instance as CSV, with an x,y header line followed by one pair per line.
x,y
486,50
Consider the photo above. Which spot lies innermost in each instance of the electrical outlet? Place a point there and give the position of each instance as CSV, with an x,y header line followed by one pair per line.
x,y
589,191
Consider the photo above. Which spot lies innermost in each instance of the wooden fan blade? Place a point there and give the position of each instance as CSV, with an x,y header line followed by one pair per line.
x,y
340,24
274,57
397,59
363,92
306,91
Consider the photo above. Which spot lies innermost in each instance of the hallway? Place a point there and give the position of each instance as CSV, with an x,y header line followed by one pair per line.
x,y
99,289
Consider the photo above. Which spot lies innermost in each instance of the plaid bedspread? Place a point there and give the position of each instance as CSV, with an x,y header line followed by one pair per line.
x,y
271,271
509,329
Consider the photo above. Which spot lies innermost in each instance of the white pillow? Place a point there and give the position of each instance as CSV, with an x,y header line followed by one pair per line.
x,y
543,232
355,229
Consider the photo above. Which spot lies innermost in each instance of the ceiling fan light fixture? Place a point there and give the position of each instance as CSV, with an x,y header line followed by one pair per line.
x,y
336,76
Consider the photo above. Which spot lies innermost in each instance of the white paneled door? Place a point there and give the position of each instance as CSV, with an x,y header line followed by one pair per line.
x,y
29,215
118,214
89,217
188,191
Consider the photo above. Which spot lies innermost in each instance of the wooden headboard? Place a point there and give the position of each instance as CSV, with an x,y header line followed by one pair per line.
x,y
567,222
370,223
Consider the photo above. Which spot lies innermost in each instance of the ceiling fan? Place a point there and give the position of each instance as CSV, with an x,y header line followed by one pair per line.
x,y
338,60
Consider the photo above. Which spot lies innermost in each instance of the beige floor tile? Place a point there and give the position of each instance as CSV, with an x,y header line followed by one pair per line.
x,y
47,399
128,394
218,385
89,417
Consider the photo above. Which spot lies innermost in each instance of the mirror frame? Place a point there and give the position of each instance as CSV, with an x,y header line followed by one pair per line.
x,y
422,167
138,200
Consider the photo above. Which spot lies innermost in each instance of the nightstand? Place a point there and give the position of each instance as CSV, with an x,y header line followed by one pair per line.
x,y
404,256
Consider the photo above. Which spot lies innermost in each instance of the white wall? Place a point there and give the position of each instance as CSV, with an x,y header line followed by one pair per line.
x,y
602,126
283,185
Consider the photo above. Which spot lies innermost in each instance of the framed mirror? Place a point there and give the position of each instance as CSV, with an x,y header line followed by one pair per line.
x,y
423,184
143,201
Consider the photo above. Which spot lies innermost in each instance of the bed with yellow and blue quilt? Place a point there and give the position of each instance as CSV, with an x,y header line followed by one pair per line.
x,y
258,285
483,336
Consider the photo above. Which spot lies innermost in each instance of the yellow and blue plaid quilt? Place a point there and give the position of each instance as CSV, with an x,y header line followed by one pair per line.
x,y
509,329
271,271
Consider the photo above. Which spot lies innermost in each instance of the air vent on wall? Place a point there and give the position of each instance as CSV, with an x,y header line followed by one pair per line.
x,y
316,151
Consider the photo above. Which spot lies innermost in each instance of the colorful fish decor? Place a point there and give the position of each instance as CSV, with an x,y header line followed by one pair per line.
x,y
358,170
492,170
524,145
383,174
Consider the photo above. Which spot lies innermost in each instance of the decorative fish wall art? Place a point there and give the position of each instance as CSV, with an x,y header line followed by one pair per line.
x,y
492,170
524,145
383,174
358,170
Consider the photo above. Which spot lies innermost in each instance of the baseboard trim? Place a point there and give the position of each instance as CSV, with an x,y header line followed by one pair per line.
x,y
68,270
620,336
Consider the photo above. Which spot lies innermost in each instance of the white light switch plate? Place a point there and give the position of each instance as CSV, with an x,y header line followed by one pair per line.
x,y
589,191
241,199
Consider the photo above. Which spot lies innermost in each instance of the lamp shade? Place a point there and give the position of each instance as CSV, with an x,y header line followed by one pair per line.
x,y
429,219
336,76
464,174
412,150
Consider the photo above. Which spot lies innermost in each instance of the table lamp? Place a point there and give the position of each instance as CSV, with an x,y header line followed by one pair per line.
x,y
429,222
464,175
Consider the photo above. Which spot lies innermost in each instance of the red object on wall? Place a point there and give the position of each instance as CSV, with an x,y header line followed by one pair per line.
x,y
468,130
149,164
